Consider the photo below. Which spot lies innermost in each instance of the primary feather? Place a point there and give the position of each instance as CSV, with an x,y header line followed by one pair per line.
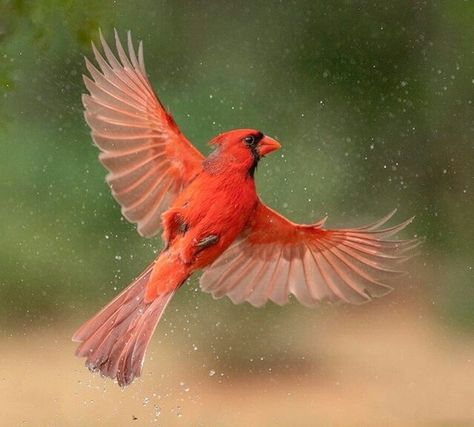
x,y
149,159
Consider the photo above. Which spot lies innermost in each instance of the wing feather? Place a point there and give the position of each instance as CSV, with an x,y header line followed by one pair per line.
x,y
257,297
275,258
148,158
297,284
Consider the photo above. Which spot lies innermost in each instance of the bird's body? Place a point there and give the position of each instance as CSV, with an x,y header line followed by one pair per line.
x,y
215,203
211,219
203,221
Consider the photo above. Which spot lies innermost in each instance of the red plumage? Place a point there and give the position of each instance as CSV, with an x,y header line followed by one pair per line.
x,y
212,220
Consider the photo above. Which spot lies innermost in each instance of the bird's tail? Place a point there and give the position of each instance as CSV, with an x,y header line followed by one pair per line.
x,y
114,341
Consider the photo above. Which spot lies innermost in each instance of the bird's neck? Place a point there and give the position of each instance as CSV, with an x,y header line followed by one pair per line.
x,y
228,165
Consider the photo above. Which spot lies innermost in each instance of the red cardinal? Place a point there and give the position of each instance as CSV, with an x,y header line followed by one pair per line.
x,y
212,220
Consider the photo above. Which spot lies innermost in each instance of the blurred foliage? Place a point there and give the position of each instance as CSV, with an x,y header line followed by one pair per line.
x,y
371,100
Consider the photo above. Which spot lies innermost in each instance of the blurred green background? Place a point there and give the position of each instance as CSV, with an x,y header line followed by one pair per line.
x,y
372,102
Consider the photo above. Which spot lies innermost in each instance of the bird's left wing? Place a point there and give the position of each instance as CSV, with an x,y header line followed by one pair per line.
x,y
148,158
275,257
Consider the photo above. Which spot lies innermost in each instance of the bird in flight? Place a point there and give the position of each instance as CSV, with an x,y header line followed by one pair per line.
x,y
211,219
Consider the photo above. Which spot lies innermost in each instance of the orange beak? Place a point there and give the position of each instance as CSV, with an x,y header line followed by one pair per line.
x,y
267,145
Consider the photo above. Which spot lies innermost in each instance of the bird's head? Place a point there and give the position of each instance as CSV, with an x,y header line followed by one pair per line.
x,y
244,147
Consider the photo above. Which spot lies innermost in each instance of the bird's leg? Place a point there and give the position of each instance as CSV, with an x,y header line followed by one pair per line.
x,y
188,250
173,224
207,241
183,226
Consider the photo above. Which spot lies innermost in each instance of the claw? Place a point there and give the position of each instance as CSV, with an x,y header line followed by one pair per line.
x,y
207,241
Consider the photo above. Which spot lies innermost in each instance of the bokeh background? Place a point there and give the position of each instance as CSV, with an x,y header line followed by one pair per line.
x,y
372,102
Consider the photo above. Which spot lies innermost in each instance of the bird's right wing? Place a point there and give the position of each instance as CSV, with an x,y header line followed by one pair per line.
x,y
275,257
148,158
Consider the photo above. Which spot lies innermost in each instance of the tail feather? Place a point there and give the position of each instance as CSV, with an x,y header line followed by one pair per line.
x,y
114,341
132,291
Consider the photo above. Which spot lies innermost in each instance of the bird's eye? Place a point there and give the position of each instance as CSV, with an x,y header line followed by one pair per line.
x,y
250,140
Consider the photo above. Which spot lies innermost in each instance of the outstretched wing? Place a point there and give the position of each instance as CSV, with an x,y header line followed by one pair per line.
x,y
275,257
148,158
